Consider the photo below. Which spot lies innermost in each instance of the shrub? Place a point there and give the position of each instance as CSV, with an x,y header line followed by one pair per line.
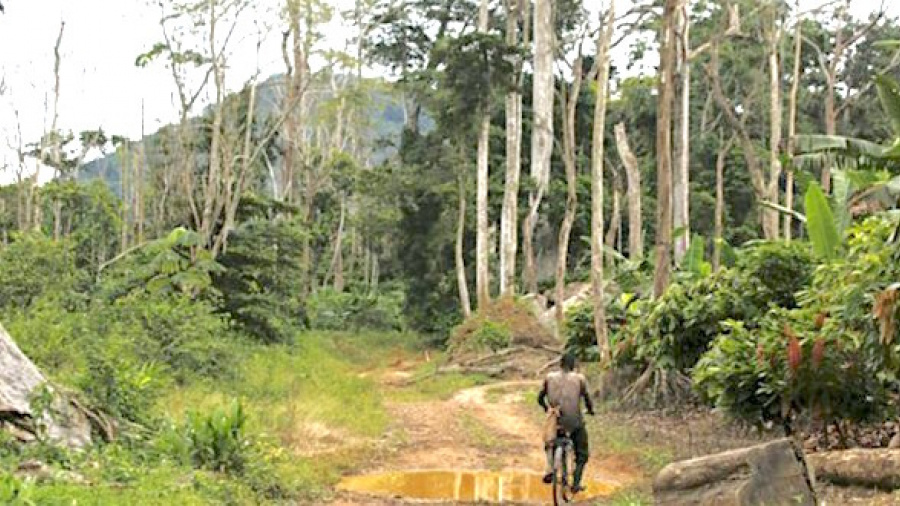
x,y
783,268
578,328
356,310
674,330
120,386
262,281
33,265
217,441
822,356
14,492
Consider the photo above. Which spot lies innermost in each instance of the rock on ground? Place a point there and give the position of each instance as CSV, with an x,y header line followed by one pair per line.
x,y
20,380
772,473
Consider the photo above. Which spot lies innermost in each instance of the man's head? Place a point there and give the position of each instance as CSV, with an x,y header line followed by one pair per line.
x,y
568,362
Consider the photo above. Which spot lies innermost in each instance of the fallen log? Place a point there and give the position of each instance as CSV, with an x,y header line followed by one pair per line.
x,y
498,354
871,468
493,372
773,474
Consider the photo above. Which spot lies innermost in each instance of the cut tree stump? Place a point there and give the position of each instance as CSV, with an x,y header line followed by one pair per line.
x,y
770,474
870,468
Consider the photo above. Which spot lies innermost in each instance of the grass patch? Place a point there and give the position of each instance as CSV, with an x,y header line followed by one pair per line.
x,y
615,439
479,434
629,497
294,395
425,385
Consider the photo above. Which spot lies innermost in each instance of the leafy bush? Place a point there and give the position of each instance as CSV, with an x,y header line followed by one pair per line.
x,y
217,441
674,330
355,310
262,281
120,386
783,268
14,492
33,265
840,342
578,328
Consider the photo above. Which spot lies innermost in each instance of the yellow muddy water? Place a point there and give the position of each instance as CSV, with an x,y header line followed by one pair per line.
x,y
487,486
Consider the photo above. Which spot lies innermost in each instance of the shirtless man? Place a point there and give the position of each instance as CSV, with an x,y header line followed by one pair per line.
x,y
565,389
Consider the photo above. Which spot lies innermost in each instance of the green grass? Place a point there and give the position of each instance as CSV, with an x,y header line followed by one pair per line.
x,y
481,435
424,384
629,498
315,388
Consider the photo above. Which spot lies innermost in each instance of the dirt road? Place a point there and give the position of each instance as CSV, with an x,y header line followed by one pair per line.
x,y
489,428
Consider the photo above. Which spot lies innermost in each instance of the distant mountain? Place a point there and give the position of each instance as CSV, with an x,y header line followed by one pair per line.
x,y
385,120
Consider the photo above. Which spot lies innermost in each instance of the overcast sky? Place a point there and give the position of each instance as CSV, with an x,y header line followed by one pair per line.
x,y
101,86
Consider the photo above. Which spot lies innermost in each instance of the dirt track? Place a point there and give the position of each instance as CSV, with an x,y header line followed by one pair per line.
x,y
482,428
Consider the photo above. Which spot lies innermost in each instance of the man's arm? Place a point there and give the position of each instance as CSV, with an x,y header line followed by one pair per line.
x,y
587,397
542,396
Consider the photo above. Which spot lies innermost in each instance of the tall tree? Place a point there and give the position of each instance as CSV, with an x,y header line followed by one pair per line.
x,y
664,147
831,62
569,96
516,11
541,132
682,113
681,176
597,159
633,177
773,42
792,128
482,270
721,158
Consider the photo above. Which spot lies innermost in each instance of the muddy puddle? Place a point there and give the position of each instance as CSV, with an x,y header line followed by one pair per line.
x,y
486,486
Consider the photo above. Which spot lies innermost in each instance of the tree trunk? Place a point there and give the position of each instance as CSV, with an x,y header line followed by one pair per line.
x,y
570,104
869,468
509,213
775,110
615,221
482,272
761,187
461,281
56,154
213,181
830,128
542,130
720,203
339,250
664,149
792,131
597,275
773,473
633,175
681,185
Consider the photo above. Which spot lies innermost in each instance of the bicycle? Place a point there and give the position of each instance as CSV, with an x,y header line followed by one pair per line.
x,y
563,451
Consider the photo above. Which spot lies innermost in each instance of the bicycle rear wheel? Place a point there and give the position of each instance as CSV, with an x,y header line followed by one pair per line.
x,y
560,495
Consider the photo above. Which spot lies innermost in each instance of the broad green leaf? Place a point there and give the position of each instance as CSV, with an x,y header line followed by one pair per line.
x,y
847,146
820,224
887,44
889,93
693,257
841,190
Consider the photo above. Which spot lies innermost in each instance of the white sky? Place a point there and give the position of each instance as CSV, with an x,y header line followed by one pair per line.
x,y
100,85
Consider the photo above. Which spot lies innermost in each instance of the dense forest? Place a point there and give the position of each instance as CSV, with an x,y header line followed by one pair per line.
x,y
730,216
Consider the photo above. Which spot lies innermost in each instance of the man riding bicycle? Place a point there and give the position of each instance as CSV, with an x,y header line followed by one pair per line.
x,y
564,389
